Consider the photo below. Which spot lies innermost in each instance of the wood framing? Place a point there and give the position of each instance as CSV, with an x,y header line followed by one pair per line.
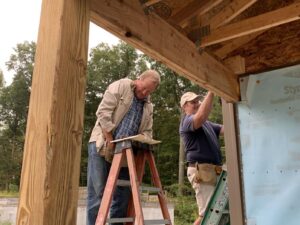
x,y
248,26
236,64
158,39
224,17
263,37
232,162
192,9
52,151
235,8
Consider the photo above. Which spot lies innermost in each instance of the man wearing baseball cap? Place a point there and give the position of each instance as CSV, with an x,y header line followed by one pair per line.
x,y
202,149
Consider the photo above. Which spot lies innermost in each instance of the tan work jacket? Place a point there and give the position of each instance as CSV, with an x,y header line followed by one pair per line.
x,y
115,104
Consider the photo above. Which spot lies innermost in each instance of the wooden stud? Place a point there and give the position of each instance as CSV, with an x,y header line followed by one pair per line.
x,y
232,162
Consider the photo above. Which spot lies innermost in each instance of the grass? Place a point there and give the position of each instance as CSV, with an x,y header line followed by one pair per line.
x,y
8,194
5,223
186,210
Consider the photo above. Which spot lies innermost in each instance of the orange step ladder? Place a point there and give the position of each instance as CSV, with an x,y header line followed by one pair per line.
x,y
136,166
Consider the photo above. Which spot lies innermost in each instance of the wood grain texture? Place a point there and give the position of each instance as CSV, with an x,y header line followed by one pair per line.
x,y
278,47
258,23
233,164
234,44
195,8
158,39
235,8
51,163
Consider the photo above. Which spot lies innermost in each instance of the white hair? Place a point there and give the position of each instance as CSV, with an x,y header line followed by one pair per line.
x,y
151,74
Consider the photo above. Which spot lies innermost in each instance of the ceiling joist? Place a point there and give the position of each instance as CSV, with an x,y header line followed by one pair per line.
x,y
254,24
161,41
195,8
224,17
235,8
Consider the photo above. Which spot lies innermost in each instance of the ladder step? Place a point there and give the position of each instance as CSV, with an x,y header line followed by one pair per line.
x,y
120,220
148,222
130,219
142,188
152,189
123,182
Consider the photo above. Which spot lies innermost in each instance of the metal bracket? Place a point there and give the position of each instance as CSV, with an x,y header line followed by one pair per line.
x,y
202,32
147,9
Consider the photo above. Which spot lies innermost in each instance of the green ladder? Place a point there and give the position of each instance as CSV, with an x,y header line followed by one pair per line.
x,y
217,212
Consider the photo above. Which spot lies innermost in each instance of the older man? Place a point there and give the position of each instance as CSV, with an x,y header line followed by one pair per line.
x,y
125,110
203,153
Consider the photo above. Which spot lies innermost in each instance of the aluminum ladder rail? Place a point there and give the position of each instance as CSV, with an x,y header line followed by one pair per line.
x,y
217,212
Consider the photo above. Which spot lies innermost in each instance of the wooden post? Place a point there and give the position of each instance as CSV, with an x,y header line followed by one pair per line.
x,y
51,162
233,168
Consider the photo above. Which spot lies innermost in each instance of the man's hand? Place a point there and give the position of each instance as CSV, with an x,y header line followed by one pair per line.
x,y
110,146
204,110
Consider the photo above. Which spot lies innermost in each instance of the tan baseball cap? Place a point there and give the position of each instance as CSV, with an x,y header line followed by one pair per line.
x,y
188,96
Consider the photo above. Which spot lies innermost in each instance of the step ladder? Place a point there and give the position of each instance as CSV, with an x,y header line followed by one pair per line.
x,y
136,166
217,212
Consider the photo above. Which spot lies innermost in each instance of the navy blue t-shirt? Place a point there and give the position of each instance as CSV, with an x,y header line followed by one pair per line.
x,y
201,145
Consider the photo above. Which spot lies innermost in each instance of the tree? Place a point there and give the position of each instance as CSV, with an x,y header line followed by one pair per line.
x,y
14,102
2,81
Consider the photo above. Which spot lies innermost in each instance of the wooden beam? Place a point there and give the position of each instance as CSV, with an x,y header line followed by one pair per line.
x,y
52,150
235,8
236,64
159,40
194,8
254,24
233,164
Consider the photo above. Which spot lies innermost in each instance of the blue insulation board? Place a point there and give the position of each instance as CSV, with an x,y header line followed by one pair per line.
x,y
269,134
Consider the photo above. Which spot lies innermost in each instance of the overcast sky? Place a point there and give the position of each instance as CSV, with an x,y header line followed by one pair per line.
x,y
19,22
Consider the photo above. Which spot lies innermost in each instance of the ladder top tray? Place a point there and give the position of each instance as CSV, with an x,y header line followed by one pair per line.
x,y
139,138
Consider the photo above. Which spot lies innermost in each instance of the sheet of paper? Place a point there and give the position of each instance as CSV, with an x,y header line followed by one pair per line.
x,y
140,138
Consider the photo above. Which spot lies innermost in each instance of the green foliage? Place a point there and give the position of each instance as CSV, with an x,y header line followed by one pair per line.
x,y
14,102
106,64
186,210
9,194
2,81
5,223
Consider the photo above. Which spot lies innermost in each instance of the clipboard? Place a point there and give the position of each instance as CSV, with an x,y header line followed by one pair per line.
x,y
140,138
